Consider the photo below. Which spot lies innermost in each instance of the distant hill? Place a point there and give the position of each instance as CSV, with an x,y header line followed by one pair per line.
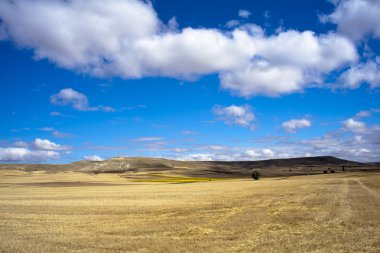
x,y
300,161
271,167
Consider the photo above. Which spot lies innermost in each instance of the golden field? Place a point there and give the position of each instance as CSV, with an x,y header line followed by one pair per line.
x,y
85,212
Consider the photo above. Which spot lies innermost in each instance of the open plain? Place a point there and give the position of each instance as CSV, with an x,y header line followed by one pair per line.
x,y
107,212
189,126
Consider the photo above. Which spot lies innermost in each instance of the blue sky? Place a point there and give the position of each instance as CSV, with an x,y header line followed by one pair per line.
x,y
191,80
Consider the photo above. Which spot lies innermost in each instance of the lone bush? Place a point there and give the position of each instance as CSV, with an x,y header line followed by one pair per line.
x,y
255,175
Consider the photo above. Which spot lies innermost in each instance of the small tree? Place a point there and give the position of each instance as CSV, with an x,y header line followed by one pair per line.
x,y
255,175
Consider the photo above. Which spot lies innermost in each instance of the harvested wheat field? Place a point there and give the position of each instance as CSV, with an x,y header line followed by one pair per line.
x,y
79,212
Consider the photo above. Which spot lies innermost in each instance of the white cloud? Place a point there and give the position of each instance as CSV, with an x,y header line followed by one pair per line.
x,y
356,18
232,154
263,79
355,140
355,126
188,132
235,115
13,154
180,150
321,53
93,158
59,114
291,126
213,147
59,134
363,114
173,24
44,144
126,39
188,54
104,108
76,33
47,129
244,13
267,152
149,139
198,157
77,100
368,72
40,150
71,97
233,23
259,153
287,63
56,133
344,144
21,144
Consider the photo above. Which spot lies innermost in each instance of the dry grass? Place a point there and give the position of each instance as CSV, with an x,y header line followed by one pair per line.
x,y
167,178
77,212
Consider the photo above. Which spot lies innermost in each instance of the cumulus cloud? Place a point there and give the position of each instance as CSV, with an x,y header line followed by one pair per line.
x,y
355,126
44,144
356,75
40,150
357,147
291,126
76,33
356,18
355,140
300,61
93,158
127,39
235,115
244,13
261,78
77,100
14,154
354,148
71,97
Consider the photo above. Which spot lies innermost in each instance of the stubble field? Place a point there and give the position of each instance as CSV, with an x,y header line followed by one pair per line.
x,y
78,212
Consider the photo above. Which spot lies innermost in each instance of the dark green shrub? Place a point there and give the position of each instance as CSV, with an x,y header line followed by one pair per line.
x,y
255,175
